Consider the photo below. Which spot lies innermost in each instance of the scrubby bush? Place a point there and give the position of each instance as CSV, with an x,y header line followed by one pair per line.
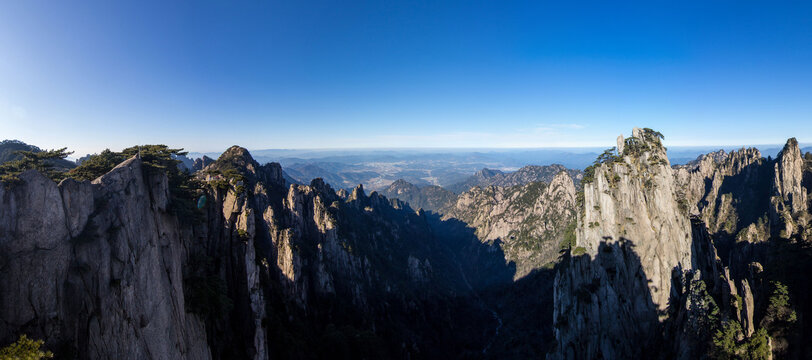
x,y
725,340
569,236
25,349
42,161
779,309
96,165
728,346
608,156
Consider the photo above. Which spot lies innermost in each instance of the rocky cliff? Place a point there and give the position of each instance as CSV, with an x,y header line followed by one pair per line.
x,y
96,268
789,196
201,163
631,241
145,262
732,191
756,212
358,263
644,281
529,222
263,269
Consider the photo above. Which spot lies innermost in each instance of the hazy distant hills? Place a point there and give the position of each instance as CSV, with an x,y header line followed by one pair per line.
x,y
452,169
377,169
431,197
438,199
337,175
525,175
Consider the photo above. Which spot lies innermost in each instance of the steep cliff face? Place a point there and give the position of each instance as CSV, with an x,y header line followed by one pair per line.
x,y
731,192
529,221
730,195
265,269
789,169
319,265
756,211
633,243
676,288
633,199
789,201
746,201
702,183
268,269
95,269
728,192
201,163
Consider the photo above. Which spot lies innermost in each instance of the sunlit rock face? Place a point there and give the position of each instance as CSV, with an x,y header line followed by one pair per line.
x,y
633,243
733,191
656,245
528,221
789,171
634,199
789,196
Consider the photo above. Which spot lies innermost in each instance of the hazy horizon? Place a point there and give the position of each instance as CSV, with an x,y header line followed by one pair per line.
x,y
307,153
589,148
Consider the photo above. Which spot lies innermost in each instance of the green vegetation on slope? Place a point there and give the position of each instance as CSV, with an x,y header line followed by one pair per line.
x,y
25,349
97,165
42,161
157,159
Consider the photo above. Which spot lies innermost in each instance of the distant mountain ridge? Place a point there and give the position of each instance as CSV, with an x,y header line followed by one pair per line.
x,y
525,175
529,221
438,199
430,197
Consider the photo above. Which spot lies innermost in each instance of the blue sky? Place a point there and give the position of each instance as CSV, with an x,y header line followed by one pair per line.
x,y
338,74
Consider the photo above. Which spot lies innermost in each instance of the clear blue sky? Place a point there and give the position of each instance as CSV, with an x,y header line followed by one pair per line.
x,y
319,74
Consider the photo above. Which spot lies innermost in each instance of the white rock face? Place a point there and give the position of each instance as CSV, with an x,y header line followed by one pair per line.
x,y
635,200
633,244
789,200
692,180
789,176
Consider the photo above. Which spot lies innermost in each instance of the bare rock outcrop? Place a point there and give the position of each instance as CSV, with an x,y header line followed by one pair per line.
x,y
201,163
634,199
110,269
528,221
789,196
321,255
643,277
633,245
97,268
706,184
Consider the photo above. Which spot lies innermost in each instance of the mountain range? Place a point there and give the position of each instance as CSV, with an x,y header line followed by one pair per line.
x,y
145,254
